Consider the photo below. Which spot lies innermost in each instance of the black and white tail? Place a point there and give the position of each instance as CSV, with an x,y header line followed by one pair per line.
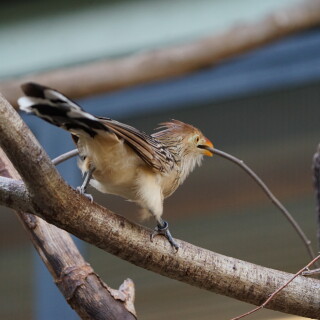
x,y
54,107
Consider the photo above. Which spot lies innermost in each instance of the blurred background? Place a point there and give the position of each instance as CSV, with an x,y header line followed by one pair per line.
x,y
261,106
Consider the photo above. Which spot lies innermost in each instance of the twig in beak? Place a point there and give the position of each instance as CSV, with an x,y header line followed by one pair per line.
x,y
270,195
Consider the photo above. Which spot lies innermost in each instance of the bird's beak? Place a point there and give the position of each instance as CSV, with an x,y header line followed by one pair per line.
x,y
207,147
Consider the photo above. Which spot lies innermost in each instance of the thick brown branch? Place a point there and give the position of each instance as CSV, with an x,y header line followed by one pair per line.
x,y
108,231
82,288
202,268
112,74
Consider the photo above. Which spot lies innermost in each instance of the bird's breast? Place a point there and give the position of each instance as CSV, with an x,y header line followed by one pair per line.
x,y
169,183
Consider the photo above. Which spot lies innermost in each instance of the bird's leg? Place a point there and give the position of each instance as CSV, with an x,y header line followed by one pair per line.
x,y
83,188
162,228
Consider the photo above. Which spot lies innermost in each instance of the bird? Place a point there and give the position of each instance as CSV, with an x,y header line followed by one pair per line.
x,y
116,158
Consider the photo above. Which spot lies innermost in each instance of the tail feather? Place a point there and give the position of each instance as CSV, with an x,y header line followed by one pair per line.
x,y
54,107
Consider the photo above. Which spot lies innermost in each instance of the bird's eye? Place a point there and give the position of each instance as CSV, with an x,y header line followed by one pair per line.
x,y
196,139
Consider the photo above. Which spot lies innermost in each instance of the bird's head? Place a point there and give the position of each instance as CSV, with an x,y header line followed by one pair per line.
x,y
186,143
198,143
188,137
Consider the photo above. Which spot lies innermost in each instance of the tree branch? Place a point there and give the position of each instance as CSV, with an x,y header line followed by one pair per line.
x,y
273,295
65,156
13,194
113,74
59,204
316,183
83,289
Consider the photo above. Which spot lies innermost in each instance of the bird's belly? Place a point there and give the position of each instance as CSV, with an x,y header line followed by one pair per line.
x,y
115,168
119,180
123,190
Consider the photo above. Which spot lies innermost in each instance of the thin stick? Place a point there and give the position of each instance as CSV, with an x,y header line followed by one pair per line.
x,y
278,290
316,183
65,156
311,272
270,195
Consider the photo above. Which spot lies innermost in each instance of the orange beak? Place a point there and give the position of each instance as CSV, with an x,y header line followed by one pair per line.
x,y
207,148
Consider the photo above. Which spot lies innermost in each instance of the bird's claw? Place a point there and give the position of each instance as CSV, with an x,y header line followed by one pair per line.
x,y
164,231
87,195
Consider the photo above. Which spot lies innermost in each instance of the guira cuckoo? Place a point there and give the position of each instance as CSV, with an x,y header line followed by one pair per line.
x,y
118,159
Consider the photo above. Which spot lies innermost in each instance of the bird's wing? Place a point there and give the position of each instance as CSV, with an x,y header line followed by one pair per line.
x,y
54,107
152,151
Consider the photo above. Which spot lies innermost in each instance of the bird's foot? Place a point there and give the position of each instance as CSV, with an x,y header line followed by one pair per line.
x,y
87,195
164,231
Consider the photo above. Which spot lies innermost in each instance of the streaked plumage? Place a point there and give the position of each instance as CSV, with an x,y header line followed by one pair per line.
x,y
125,161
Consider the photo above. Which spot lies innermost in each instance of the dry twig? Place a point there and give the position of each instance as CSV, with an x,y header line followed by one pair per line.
x,y
316,183
271,196
272,296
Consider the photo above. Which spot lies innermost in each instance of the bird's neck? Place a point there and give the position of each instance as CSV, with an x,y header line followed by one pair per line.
x,y
187,165
185,160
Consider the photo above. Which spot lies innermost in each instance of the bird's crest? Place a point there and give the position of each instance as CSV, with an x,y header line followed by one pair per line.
x,y
176,127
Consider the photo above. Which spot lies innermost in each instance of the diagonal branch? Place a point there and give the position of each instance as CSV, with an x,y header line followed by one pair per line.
x,y
234,272
57,203
316,183
271,196
83,289
112,74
